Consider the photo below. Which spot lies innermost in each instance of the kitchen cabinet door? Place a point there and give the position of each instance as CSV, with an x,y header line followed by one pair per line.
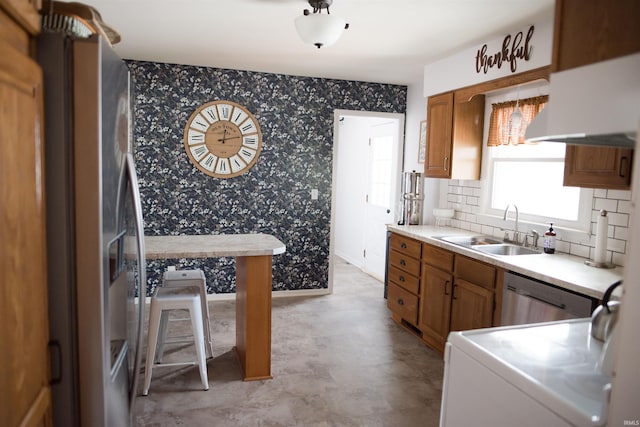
x,y
597,167
435,305
454,136
471,306
25,394
437,163
466,146
588,31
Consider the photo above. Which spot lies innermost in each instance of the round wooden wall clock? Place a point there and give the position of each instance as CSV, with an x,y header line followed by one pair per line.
x,y
222,139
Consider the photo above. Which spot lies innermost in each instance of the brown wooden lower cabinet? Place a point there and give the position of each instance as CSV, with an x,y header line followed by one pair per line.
x,y
453,293
435,306
471,306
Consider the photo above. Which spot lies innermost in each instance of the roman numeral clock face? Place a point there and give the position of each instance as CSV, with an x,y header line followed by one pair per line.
x,y
222,139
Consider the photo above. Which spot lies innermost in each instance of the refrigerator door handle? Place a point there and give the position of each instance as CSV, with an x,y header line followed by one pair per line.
x,y
142,265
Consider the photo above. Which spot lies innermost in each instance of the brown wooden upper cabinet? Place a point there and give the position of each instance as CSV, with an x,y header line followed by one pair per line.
x,y
588,31
454,137
597,167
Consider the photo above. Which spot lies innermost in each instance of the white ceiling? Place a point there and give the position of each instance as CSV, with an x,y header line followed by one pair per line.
x,y
389,41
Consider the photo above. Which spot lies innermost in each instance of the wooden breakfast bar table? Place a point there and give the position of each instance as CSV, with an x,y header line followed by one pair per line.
x,y
253,254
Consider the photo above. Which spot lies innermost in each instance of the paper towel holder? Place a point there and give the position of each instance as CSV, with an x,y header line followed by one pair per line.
x,y
603,221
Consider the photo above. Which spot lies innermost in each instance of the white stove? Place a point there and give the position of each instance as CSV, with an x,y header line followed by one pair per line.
x,y
527,375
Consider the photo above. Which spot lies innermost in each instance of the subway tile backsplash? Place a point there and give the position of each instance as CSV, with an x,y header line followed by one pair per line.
x,y
465,197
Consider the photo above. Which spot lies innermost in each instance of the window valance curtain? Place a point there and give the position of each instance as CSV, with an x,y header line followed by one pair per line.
x,y
504,131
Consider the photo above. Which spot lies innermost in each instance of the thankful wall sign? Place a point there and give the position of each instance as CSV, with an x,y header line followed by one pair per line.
x,y
514,48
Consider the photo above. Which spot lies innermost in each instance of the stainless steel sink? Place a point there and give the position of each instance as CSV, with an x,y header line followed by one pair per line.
x,y
505,249
488,245
470,240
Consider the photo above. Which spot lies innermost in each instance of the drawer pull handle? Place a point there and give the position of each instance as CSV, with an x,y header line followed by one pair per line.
x,y
402,262
401,278
400,302
403,246
624,166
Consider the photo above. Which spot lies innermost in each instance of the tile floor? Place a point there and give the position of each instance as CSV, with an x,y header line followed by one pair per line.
x,y
337,360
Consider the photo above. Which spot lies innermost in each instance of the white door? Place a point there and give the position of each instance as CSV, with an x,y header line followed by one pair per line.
x,y
366,181
382,195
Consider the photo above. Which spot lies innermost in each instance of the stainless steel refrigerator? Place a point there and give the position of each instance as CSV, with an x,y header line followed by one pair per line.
x,y
94,231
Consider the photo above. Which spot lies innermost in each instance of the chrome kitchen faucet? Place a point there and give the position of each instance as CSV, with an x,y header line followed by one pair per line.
x,y
515,232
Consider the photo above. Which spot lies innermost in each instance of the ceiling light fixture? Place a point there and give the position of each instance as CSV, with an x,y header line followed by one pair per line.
x,y
317,28
515,122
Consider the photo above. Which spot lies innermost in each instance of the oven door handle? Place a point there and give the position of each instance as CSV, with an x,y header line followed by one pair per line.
x,y
535,297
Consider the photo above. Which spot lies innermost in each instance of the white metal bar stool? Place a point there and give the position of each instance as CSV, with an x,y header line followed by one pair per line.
x,y
178,298
180,278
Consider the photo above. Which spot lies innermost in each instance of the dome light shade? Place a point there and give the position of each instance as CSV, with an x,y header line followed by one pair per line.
x,y
320,29
515,128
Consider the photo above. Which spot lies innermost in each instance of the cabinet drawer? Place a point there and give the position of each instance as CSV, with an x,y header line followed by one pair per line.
x,y
403,303
405,245
407,281
475,272
440,258
405,263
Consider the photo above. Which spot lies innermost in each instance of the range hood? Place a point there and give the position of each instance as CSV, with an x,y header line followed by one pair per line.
x,y
597,104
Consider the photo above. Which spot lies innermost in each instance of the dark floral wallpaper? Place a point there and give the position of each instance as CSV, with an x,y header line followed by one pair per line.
x,y
296,118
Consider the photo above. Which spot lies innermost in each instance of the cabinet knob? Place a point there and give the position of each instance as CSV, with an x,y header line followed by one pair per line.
x,y
401,278
403,246
400,301
402,262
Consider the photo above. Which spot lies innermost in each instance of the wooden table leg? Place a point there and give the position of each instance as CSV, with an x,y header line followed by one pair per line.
x,y
253,316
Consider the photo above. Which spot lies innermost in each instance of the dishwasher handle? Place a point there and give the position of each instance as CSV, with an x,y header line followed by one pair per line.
x,y
535,297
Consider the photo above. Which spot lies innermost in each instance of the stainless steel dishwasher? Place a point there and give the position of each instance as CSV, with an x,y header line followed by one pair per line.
x,y
526,300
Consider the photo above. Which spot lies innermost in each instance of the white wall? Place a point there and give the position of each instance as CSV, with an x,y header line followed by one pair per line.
x,y
416,112
459,70
454,72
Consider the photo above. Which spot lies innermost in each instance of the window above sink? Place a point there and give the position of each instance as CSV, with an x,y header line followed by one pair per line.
x,y
529,176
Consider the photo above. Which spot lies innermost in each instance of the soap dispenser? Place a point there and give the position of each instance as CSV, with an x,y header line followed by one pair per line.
x,y
550,241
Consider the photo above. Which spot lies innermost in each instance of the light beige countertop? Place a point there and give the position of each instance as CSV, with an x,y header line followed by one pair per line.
x,y
212,245
565,271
